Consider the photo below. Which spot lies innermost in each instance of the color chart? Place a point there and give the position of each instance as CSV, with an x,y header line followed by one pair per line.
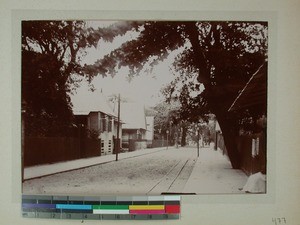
x,y
101,208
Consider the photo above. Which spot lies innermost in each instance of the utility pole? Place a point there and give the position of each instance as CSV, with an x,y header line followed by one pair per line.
x,y
118,130
198,144
167,138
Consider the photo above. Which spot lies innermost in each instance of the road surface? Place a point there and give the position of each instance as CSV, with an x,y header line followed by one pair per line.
x,y
164,171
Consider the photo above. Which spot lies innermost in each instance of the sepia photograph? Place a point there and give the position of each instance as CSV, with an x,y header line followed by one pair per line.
x,y
154,107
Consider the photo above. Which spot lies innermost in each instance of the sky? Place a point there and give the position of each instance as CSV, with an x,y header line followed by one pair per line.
x,y
143,89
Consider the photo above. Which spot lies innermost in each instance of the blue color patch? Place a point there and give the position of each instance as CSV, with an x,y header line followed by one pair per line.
x,y
78,207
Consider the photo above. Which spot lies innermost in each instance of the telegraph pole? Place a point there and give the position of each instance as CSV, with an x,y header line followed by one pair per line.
x,y
118,130
167,138
198,139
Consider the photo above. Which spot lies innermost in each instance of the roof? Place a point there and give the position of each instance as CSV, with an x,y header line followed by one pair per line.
x,y
254,92
93,102
133,115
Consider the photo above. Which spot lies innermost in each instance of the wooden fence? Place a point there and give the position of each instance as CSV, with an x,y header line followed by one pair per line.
x,y
45,150
250,163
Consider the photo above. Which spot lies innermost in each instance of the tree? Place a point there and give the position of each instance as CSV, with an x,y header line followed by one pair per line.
x,y
46,103
51,66
164,119
222,55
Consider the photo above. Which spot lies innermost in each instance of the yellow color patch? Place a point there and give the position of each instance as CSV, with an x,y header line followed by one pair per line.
x,y
146,207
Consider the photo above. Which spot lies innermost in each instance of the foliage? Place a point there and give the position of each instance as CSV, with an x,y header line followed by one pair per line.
x,y
165,116
220,56
47,108
168,119
51,63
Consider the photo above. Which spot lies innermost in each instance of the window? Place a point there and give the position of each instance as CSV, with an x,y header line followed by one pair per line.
x,y
103,123
109,127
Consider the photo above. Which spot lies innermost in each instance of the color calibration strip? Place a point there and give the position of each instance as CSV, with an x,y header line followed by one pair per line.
x,y
101,208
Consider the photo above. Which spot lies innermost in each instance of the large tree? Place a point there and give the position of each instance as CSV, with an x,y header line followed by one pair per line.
x,y
51,65
223,55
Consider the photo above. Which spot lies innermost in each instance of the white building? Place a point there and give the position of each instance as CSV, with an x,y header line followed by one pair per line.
x,y
97,115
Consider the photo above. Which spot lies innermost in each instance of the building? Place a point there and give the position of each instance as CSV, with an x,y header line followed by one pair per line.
x,y
149,130
250,107
134,127
96,116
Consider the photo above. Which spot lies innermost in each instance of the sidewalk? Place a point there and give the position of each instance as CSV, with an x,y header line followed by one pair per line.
x,y
48,169
213,174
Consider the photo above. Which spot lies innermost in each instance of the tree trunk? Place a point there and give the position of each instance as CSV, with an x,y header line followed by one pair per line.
x,y
229,135
183,136
215,100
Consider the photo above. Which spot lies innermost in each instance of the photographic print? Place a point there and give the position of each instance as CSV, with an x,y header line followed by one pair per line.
x,y
144,107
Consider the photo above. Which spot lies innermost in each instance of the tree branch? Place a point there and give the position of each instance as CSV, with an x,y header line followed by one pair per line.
x,y
200,58
63,53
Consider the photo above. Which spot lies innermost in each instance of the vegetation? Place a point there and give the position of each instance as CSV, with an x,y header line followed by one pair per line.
x,y
215,60
51,66
218,56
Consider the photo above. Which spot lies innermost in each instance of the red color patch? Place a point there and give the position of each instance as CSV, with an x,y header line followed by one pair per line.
x,y
172,209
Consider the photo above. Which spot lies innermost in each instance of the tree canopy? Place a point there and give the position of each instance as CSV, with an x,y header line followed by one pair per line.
x,y
220,55
215,60
51,65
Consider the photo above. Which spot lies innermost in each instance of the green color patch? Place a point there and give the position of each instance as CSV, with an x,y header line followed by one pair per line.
x,y
116,207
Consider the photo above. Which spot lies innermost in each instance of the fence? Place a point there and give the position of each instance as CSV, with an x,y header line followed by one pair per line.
x,y
135,144
251,162
45,150
252,150
161,143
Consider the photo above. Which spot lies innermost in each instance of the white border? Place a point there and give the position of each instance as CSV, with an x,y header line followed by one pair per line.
x,y
283,119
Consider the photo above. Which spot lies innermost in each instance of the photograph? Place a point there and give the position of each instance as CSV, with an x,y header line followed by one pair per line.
x,y
144,107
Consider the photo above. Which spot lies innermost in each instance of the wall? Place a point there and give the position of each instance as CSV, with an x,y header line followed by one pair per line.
x,y
136,144
106,143
150,128
44,150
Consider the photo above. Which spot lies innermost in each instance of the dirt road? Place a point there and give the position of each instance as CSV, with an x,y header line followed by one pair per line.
x,y
152,174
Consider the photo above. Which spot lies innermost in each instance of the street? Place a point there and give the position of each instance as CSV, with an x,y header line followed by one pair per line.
x,y
154,173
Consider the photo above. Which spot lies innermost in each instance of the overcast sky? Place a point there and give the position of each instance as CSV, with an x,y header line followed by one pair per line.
x,y
144,89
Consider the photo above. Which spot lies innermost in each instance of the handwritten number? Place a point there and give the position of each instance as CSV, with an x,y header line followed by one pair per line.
x,y
279,220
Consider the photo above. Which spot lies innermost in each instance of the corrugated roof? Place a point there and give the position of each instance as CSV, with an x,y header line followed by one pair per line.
x,y
133,115
93,102
254,92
